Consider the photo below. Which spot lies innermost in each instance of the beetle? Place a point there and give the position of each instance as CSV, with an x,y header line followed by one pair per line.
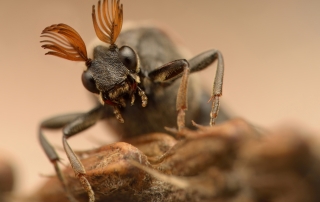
x,y
146,65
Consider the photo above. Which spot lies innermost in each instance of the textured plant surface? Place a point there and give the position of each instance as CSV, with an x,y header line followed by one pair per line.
x,y
6,177
229,162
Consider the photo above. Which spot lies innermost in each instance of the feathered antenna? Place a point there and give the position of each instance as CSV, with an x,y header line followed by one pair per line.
x,y
65,42
110,20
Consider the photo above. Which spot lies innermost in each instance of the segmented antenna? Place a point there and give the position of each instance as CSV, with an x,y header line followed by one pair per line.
x,y
65,42
110,20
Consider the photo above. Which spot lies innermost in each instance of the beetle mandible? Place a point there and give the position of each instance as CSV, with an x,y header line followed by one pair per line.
x,y
144,65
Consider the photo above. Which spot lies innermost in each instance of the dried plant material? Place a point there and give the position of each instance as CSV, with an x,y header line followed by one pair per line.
x,y
6,178
154,144
108,171
110,20
231,162
282,167
65,42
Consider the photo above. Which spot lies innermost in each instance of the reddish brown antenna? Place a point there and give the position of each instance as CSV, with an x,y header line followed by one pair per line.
x,y
65,42
110,17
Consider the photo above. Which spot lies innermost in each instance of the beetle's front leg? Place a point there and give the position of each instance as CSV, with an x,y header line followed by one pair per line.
x,y
56,123
170,72
182,98
79,124
73,123
202,61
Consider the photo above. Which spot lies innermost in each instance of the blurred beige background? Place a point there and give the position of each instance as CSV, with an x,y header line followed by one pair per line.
x,y
271,51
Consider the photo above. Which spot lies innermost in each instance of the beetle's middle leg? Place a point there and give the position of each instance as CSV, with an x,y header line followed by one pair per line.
x,y
202,61
73,124
169,73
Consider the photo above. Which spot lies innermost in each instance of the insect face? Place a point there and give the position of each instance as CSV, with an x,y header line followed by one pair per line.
x,y
113,74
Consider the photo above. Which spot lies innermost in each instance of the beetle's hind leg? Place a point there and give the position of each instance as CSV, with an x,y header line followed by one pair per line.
x,y
73,124
202,61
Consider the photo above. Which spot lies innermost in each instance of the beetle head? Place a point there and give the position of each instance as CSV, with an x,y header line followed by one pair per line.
x,y
113,72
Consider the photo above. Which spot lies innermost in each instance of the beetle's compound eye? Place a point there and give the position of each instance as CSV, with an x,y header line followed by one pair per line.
x,y
89,82
129,58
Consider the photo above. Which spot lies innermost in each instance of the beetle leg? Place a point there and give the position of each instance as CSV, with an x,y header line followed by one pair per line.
x,y
167,74
182,98
55,123
79,124
202,61
73,124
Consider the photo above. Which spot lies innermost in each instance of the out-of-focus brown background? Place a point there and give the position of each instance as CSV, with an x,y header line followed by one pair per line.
x,y
271,51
